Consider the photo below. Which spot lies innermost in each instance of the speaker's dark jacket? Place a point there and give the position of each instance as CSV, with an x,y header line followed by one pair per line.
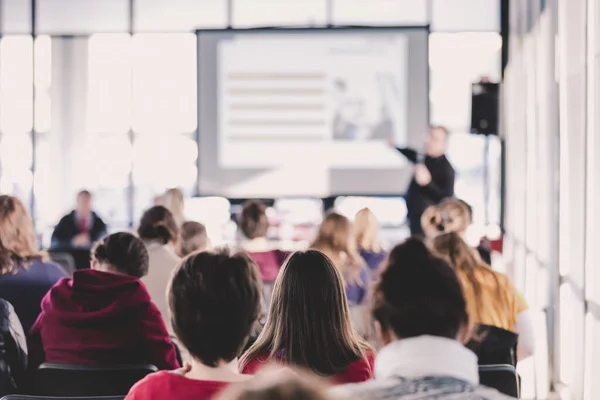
x,y
418,198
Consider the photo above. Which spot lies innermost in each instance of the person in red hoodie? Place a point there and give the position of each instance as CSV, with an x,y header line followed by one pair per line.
x,y
103,315
214,298
308,324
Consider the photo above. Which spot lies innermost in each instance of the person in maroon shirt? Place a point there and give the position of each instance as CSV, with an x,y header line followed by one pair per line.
x,y
103,315
214,300
254,225
308,324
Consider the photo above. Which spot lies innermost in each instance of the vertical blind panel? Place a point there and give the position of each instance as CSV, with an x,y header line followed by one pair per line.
x,y
249,13
16,16
64,17
380,12
179,15
466,15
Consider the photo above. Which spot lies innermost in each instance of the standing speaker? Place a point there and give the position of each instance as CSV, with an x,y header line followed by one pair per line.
x,y
484,108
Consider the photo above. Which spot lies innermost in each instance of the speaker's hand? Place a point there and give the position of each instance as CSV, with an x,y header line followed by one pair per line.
x,y
422,175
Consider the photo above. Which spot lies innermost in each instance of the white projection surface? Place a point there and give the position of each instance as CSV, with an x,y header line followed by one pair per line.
x,y
305,113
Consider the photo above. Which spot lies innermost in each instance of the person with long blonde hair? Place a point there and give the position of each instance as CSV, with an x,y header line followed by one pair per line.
x,y
491,297
336,240
366,230
26,274
173,200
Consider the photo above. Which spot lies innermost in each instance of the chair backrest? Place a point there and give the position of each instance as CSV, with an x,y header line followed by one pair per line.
x,y
88,380
494,346
503,378
20,397
65,260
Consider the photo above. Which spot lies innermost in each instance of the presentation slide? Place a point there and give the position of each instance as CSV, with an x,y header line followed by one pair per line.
x,y
309,113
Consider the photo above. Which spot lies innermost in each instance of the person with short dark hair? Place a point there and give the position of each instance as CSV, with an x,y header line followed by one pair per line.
x,y
308,324
214,298
160,233
254,225
103,315
433,178
193,238
81,227
423,320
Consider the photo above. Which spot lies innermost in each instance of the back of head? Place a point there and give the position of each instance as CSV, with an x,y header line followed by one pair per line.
x,y
253,220
308,320
215,299
193,237
122,252
17,237
419,294
458,253
366,230
451,215
158,224
280,384
173,200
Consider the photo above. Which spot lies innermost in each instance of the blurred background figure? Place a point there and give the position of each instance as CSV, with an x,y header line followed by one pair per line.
x,y
25,272
174,201
366,230
193,237
433,178
160,234
81,227
254,225
335,239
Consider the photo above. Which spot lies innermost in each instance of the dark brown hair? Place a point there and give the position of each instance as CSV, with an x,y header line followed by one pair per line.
x,y
17,237
215,299
193,237
467,263
253,219
84,193
124,252
158,223
308,324
419,294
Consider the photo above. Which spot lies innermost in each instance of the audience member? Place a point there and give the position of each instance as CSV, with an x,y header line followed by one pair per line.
x,y
308,324
279,384
81,227
214,300
193,238
254,225
491,297
160,234
336,240
13,350
25,273
423,321
173,200
103,315
366,230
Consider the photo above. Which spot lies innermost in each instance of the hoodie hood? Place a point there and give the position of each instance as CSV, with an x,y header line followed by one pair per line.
x,y
92,297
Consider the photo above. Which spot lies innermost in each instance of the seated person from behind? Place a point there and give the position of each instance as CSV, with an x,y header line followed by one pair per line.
x,y
308,324
192,238
103,315
423,321
26,275
491,297
366,230
13,350
214,298
254,225
81,227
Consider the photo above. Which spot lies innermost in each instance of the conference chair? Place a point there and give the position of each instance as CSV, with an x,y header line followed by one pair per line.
x,y
20,397
65,260
71,380
503,378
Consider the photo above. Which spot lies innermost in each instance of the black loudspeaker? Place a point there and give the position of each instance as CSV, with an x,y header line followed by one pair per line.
x,y
484,108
